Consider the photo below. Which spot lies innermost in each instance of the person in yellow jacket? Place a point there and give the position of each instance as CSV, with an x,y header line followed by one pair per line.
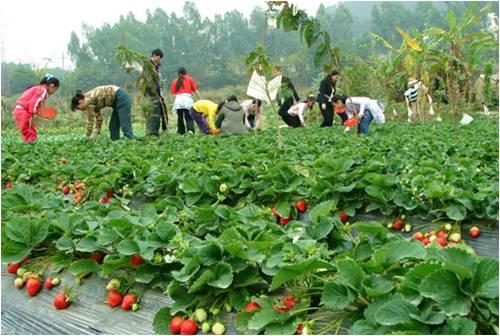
x,y
203,113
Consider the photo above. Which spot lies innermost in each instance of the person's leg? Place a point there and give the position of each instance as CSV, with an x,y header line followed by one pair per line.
x,y
295,121
200,120
114,125
25,124
181,129
153,121
189,121
327,116
365,122
164,116
124,111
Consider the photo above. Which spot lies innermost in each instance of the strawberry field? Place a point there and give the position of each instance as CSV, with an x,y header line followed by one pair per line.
x,y
332,233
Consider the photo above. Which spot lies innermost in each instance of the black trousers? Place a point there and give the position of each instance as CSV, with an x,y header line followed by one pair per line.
x,y
292,121
327,115
184,117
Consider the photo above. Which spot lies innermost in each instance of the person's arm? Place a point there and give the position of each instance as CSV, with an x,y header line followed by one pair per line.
x,y
37,99
322,94
211,118
247,114
90,122
258,116
220,118
301,109
194,88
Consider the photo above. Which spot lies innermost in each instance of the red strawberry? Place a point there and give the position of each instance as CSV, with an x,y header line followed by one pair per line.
x,y
300,327
12,268
425,241
175,324
109,193
301,206
114,299
418,236
442,234
284,221
251,307
344,217
189,327
441,241
275,213
33,286
104,200
48,283
128,301
97,257
474,232
281,309
289,301
64,161
398,225
66,190
25,260
136,260
9,185
61,300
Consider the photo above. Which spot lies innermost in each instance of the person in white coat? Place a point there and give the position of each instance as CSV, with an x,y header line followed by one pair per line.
x,y
364,109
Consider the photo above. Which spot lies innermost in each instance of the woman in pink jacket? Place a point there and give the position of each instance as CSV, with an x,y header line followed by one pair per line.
x,y
30,102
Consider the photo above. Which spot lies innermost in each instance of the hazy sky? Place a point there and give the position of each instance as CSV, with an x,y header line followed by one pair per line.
x,y
32,31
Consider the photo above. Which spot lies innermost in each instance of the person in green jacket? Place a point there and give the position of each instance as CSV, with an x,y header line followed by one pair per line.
x,y
230,119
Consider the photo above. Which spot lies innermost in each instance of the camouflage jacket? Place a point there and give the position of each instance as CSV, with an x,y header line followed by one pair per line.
x,y
97,99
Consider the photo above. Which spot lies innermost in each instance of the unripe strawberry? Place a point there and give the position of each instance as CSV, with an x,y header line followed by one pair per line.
x,y
223,188
205,327
407,227
218,329
18,283
114,284
200,315
456,237
135,307
448,227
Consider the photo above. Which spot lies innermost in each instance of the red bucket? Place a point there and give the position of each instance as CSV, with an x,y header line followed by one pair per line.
x,y
47,112
351,122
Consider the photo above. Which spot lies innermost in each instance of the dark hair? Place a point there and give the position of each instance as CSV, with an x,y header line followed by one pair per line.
x,y
339,97
157,52
48,79
310,98
257,101
232,98
76,99
329,78
180,79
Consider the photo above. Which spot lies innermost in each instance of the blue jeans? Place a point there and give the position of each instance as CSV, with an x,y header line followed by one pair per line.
x,y
365,122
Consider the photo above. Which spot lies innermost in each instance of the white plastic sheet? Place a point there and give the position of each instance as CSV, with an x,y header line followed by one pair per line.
x,y
258,85
466,119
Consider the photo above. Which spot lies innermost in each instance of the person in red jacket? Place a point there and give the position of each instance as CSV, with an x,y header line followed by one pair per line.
x,y
30,102
183,88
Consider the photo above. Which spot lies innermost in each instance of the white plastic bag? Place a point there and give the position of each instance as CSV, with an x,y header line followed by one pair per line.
x,y
257,87
466,119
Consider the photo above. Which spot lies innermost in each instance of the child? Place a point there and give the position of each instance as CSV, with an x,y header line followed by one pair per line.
x,y
106,96
28,104
203,113
364,109
183,88
253,112
230,118
295,115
